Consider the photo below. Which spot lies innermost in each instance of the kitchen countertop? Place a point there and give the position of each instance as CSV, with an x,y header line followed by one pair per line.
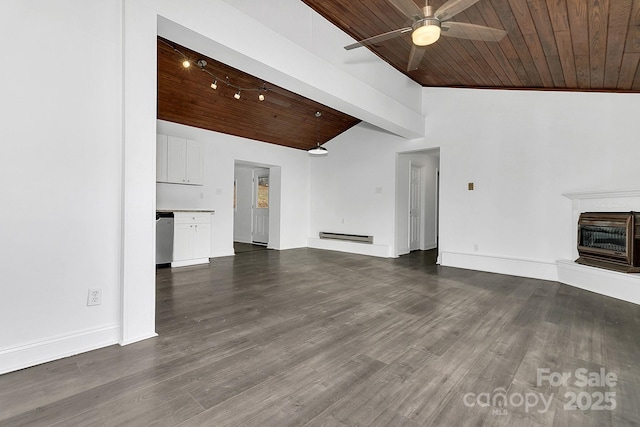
x,y
186,210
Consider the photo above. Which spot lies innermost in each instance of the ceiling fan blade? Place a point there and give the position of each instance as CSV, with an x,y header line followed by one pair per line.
x,y
408,7
378,38
462,30
415,57
452,8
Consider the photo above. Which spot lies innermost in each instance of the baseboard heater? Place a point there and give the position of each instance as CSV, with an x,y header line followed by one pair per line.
x,y
347,237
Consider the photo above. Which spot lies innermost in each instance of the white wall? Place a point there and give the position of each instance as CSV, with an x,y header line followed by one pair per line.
x,y
221,154
308,29
353,190
523,150
61,167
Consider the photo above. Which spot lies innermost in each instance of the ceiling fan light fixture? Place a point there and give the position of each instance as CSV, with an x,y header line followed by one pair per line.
x,y
426,32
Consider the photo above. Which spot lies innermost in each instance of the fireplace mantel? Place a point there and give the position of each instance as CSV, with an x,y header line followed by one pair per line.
x,y
617,285
617,194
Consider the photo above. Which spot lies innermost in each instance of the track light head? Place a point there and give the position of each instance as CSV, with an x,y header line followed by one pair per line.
x,y
237,95
214,85
261,97
186,63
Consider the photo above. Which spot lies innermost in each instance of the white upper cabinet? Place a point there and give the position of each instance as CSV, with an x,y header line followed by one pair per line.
x,y
194,164
161,158
179,160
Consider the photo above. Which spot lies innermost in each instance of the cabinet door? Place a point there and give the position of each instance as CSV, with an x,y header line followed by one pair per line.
x,y
194,165
161,158
202,240
183,239
177,150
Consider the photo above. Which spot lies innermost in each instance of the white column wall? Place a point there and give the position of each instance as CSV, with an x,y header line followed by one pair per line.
x,y
61,175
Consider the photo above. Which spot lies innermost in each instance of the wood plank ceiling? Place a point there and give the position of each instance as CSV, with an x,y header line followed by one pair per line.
x,y
585,45
185,96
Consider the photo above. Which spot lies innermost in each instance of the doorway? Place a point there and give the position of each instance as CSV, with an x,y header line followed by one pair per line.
x,y
260,207
415,207
416,201
256,208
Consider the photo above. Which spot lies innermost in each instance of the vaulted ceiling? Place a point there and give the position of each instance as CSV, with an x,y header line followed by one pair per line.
x,y
185,96
583,45
550,44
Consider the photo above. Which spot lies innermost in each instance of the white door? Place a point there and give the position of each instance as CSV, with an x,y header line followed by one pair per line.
x,y
415,211
260,223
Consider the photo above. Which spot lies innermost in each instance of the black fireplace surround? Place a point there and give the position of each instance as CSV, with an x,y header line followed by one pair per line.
x,y
610,240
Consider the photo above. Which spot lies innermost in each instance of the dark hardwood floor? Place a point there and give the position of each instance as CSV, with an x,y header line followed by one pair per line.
x,y
316,338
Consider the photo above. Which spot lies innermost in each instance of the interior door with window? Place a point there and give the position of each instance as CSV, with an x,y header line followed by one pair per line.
x,y
260,223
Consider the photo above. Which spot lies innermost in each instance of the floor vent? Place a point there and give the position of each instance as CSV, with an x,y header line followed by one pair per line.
x,y
348,237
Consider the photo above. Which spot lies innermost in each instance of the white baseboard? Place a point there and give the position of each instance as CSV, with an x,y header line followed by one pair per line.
x,y
350,247
242,239
614,284
218,253
429,246
138,338
403,251
35,353
187,262
536,269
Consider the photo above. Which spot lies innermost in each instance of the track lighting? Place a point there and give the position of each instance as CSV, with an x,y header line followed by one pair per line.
x,y
203,67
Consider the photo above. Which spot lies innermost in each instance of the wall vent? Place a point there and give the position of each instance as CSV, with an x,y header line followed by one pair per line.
x,y
347,237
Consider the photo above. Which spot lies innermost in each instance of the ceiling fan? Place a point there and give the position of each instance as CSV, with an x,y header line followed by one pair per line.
x,y
428,26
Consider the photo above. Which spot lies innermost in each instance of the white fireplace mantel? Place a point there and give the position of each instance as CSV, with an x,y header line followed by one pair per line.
x,y
611,283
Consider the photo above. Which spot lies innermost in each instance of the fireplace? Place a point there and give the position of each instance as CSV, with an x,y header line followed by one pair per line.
x,y
610,240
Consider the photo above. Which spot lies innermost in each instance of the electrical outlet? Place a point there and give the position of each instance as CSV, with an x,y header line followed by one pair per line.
x,y
95,296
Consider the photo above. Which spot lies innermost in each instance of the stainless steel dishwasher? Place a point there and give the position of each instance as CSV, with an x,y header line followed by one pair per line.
x,y
164,239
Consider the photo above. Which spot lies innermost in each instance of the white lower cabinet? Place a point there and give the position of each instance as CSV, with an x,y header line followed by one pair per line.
x,y
191,238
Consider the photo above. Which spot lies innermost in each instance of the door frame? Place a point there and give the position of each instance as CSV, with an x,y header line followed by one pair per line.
x,y
421,171
256,175
275,182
